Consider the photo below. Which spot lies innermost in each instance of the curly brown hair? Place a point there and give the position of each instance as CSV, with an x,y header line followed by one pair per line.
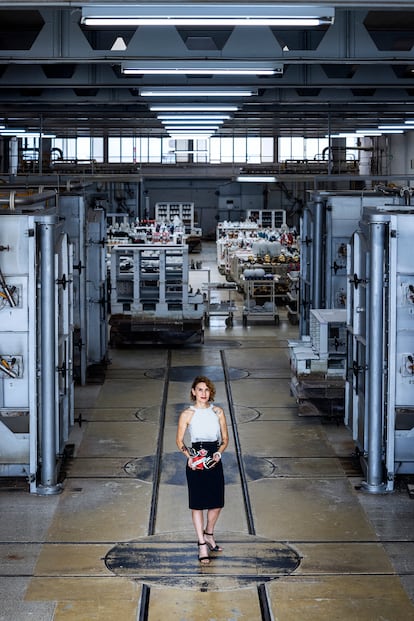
x,y
198,380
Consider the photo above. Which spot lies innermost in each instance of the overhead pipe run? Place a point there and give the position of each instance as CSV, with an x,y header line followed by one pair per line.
x,y
12,200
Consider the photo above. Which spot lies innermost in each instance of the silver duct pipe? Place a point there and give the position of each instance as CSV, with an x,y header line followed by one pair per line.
x,y
48,480
374,482
317,254
12,201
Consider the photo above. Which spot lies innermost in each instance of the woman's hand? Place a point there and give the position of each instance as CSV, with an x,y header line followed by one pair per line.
x,y
217,456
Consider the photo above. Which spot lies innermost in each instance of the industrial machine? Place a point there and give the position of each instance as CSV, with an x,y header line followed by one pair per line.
x,y
151,300
86,228
380,317
328,221
36,328
318,364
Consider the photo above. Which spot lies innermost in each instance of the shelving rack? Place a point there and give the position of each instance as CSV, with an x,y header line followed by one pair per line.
x,y
267,218
260,300
220,301
166,212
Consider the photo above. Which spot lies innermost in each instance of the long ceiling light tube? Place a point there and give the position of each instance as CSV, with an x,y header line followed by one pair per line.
x,y
190,128
216,14
199,108
256,178
193,117
197,67
396,127
191,122
193,136
164,92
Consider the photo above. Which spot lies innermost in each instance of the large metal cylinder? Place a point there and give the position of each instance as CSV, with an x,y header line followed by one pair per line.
x,y
374,482
48,480
317,254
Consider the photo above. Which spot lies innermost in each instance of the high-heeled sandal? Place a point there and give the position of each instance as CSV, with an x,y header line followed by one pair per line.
x,y
204,560
212,548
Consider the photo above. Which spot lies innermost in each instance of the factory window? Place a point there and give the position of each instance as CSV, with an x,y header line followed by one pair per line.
x,y
120,149
294,148
267,150
143,149
82,148
154,150
241,150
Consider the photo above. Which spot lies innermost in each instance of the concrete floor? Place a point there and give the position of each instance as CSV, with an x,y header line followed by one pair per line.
x,y
324,550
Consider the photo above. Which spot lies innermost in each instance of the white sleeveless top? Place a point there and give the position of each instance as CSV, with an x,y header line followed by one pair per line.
x,y
204,425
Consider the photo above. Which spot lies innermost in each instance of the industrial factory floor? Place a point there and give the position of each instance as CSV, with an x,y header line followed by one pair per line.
x,y
301,541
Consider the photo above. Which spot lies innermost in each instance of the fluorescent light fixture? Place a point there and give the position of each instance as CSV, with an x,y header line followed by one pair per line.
x,y
193,117
188,92
195,130
190,128
200,67
342,135
395,126
199,108
190,136
22,133
192,122
186,132
257,178
369,132
214,14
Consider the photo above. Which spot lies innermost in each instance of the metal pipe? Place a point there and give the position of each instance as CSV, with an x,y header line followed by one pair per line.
x,y
30,199
374,482
48,481
317,254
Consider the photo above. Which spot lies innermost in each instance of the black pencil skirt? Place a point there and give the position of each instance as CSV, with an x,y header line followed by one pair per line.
x,y
206,487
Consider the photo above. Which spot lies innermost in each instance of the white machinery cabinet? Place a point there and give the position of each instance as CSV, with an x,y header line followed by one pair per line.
x,y
329,220
380,385
36,385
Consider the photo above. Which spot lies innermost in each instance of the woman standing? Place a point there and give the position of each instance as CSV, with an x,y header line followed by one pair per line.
x,y
209,438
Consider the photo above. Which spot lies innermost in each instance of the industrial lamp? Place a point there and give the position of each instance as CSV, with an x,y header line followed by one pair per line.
x,y
195,92
257,179
198,67
216,14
